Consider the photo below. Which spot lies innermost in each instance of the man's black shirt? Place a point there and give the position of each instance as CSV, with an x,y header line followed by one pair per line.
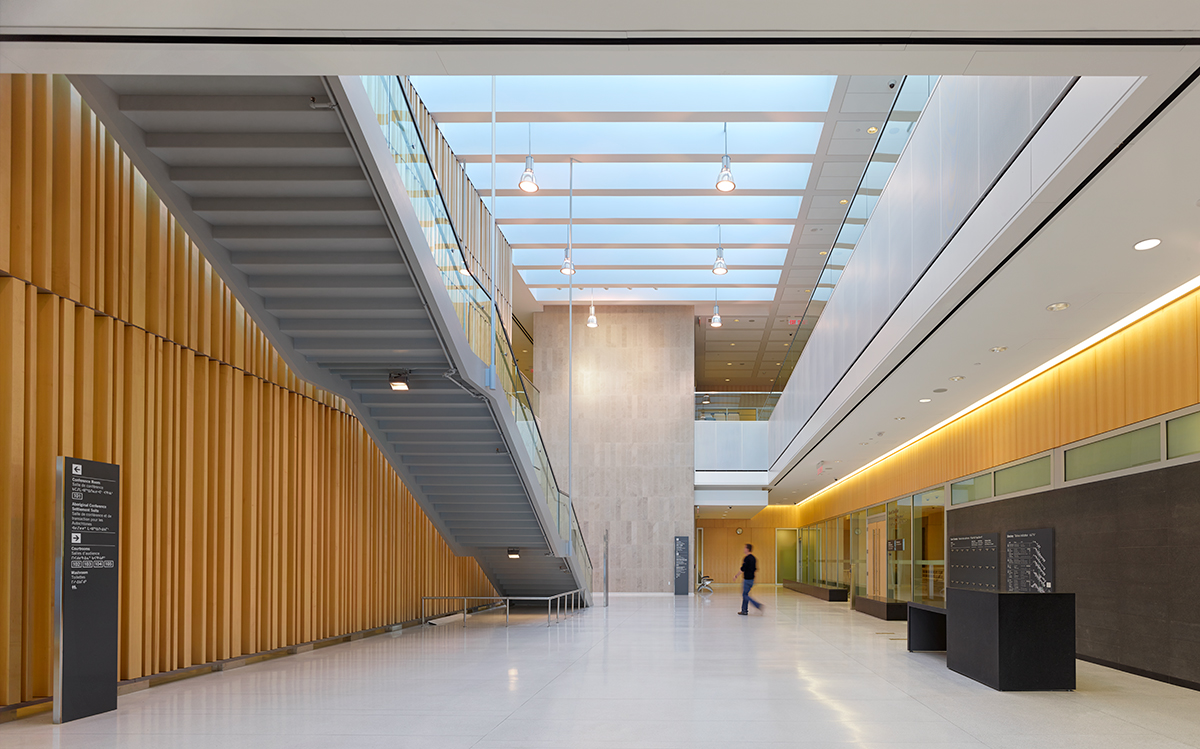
x,y
749,566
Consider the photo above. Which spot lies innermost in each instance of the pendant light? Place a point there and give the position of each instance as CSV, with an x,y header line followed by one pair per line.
x,y
528,183
716,318
591,321
568,267
719,267
725,177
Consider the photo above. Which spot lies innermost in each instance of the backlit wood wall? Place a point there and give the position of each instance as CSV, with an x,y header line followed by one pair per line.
x,y
256,512
1149,368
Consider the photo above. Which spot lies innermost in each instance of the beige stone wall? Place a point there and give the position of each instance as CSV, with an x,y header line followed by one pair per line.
x,y
633,433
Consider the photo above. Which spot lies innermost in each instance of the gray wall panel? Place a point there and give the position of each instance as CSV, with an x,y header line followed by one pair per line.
x,y
970,129
1129,549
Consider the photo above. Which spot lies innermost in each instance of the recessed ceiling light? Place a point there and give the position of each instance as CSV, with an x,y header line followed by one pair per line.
x,y
822,252
843,201
1058,307
729,364
999,349
726,379
939,390
926,400
1147,244
733,344
899,418
872,130
957,378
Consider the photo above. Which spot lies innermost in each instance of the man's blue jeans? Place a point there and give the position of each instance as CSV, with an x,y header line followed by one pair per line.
x,y
746,599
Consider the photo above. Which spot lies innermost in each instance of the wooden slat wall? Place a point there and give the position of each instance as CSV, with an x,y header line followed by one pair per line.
x,y
256,511
1145,370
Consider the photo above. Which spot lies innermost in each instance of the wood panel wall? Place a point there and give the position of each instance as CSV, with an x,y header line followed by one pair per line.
x,y
1147,369
256,511
723,550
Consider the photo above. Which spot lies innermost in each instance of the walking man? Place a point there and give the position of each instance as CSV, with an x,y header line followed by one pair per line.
x,y
749,567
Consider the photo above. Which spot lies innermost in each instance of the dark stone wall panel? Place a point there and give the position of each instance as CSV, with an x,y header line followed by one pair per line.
x,y
1129,549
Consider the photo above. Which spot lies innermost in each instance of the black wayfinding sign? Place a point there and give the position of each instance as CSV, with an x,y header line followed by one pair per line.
x,y
1029,561
974,562
682,578
85,589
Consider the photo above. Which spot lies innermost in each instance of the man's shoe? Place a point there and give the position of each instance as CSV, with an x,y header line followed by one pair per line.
x,y
743,613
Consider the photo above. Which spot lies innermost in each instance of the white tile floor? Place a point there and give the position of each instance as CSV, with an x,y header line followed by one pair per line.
x,y
648,672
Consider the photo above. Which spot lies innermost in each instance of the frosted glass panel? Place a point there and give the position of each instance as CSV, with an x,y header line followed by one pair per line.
x,y
1018,478
970,490
1136,448
1183,436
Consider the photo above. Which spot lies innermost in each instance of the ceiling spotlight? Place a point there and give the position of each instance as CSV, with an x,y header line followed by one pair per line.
x,y
591,323
957,378
398,380
872,130
528,183
514,553
1058,307
925,400
999,349
719,267
725,177
1147,244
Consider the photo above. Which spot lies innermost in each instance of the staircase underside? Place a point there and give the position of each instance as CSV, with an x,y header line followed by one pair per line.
x,y
264,175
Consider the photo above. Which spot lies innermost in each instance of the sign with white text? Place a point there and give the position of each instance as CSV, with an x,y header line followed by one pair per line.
x,y
86,588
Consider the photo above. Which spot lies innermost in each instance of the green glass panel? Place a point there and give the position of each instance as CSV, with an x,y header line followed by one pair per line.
x,y
1183,436
970,490
1136,448
1024,476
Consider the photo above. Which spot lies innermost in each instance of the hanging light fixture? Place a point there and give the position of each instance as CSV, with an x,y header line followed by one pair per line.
x,y
725,177
568,267
591,321
705,401
528,183
719,267
716,318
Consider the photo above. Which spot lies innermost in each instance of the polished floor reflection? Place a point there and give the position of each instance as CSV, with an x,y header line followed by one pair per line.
x,y
649,673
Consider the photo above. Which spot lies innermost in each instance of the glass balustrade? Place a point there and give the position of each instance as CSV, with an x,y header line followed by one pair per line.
x,y
471,302
724,406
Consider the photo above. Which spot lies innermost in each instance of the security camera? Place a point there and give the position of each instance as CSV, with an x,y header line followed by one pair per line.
x,y
891,84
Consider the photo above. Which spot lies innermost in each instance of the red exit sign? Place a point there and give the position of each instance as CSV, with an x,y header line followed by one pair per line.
x,y
796,322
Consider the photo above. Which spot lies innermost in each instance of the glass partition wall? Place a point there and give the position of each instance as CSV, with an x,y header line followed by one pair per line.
x,y
910,544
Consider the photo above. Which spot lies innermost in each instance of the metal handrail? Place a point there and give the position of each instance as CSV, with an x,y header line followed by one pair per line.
x,y
576,595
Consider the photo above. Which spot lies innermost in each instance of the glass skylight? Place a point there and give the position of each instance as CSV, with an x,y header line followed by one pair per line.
x,y
648,149
637,93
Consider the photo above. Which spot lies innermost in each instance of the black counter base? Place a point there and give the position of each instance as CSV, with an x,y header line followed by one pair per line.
x,y
1012,641
825,593
887,609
